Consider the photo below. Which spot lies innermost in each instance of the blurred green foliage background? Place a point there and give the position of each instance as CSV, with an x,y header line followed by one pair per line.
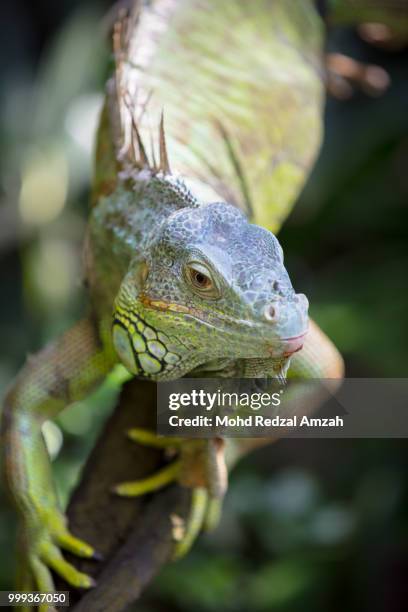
x,y
308,524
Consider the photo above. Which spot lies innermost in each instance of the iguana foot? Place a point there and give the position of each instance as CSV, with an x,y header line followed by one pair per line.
x,y
40,545
205,510
162,477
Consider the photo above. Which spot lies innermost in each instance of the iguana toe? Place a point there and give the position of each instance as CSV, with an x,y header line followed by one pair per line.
x,y
161,478
149,438
205,513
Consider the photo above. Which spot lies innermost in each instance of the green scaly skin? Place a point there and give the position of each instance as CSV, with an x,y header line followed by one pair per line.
x,y
180,282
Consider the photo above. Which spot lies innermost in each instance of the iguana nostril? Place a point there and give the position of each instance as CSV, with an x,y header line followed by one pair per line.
x,y
302,299
275,286
271,312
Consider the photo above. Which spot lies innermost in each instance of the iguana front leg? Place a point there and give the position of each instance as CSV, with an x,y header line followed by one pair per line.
x,y
62,373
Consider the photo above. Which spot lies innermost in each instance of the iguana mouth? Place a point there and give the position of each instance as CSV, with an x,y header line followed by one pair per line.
x,y
294,344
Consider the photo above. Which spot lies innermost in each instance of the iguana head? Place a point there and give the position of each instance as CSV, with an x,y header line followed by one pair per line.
x,y
212,288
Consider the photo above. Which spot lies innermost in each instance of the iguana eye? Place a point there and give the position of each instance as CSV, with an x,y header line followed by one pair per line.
x,y
199,277
200,280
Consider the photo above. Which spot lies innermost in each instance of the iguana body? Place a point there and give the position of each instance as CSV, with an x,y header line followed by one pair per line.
x,y
192,285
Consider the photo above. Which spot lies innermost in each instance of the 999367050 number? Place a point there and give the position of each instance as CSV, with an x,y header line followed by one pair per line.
x,y
17,598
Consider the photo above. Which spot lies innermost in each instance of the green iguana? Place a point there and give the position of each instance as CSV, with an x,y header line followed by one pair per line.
x,y
180,279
